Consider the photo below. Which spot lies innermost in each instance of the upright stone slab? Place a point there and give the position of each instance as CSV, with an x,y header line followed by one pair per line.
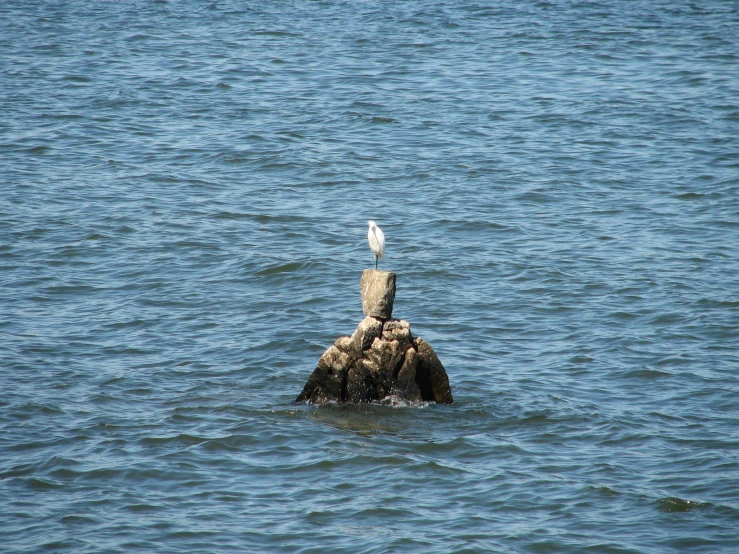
x,y
378,293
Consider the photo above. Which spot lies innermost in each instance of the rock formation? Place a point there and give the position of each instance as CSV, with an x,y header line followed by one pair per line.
x,y
380,359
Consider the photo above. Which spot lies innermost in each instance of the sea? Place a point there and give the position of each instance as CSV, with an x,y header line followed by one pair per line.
x,y
184,194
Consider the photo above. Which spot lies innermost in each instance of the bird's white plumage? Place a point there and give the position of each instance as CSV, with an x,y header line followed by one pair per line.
x,y
376,240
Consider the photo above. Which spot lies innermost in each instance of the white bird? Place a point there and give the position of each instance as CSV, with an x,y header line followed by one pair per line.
x,y
376,240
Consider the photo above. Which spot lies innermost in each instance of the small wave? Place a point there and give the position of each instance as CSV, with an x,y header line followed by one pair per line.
x,y
141,508
39,484
394,401
183,439
674,504
605,491
646,373
581,359
78,519
292,267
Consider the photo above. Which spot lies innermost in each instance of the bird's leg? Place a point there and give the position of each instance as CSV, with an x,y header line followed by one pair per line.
x,y
382,324
376,262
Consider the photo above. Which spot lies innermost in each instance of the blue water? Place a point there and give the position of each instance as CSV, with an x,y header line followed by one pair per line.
x,y
184,194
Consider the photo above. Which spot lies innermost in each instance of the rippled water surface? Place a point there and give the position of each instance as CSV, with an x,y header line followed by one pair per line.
x,y
184,194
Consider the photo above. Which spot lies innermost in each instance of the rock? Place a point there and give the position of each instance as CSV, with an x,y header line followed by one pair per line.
x,y
380,359
369,328
378,293
433,372
407,387
328,380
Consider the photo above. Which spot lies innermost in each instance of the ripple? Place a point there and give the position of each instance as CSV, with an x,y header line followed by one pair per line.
x,y
183,231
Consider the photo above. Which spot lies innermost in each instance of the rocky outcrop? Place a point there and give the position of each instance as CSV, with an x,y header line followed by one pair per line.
x,y
380,359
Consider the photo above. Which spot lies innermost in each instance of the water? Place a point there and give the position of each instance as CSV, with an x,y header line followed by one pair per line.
x,y
185,189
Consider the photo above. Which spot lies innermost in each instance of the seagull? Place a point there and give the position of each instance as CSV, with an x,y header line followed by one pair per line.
x,y
376,241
